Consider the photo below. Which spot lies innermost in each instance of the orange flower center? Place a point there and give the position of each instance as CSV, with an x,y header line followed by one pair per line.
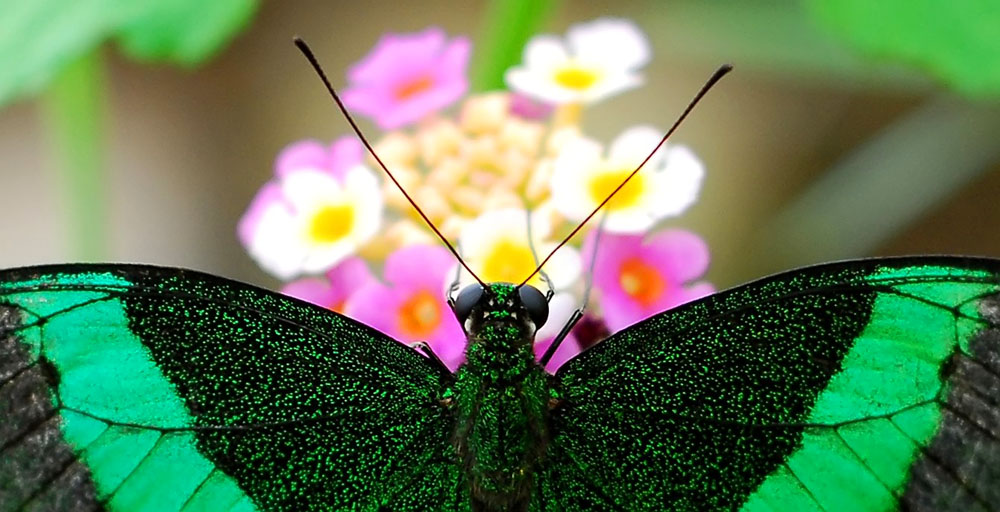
x,y
337,307
641,281
606,182
412,87
508,262
331,223
419,315
576,78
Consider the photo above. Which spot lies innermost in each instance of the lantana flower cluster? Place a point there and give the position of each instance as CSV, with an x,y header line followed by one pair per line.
x,y
504,175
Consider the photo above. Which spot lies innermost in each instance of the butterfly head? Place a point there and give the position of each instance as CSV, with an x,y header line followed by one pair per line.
x,y
501,303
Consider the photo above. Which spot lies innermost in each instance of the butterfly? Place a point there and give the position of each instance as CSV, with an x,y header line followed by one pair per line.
x,y
862,385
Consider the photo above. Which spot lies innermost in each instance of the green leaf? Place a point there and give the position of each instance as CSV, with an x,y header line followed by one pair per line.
x,y
955,41
184,31
38,38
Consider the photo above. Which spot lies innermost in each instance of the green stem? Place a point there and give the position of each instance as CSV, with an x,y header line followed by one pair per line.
x,y
73,108
509,25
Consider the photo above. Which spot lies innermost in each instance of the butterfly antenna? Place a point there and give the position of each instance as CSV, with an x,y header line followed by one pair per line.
x,y
719,73
304,48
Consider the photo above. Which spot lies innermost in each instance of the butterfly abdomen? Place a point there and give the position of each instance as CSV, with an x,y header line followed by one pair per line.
x,y
502,427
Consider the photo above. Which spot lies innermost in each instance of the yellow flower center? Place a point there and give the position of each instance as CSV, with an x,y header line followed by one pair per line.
x,y
606,182
508,262
576,78
412,87
331,223
419,315
641,281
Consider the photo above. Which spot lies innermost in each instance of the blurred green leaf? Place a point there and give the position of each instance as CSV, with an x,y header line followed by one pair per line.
x,y
958,41
184,31
38,38
508,26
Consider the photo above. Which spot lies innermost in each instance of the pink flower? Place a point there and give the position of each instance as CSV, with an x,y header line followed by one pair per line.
x,y
527,107
638,278
412,306
334,289
335,159
407,76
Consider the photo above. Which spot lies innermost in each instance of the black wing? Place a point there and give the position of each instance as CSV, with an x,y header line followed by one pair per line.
x,y
130,386
865,385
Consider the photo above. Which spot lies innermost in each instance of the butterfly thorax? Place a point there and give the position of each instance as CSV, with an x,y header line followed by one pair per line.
x,y
501,398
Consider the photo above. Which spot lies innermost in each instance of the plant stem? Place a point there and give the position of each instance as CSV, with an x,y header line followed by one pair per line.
x,y
73,107
508,26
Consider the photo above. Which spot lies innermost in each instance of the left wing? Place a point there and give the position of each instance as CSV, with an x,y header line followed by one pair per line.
x,y
140,388
866,385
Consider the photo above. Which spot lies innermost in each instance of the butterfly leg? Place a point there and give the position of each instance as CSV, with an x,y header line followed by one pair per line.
x,y
426,349
567,327
578,314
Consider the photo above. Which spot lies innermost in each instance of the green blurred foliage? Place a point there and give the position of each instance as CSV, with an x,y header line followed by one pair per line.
x,y
38,38
956,41
508,25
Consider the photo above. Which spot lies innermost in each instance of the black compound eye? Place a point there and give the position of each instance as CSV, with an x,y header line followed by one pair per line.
x,y
466,300
535,303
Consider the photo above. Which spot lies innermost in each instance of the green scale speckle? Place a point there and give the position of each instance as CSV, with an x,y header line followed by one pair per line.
x,y
858,386
502,413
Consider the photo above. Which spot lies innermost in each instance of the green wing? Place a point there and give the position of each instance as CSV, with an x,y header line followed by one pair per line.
x,y
139,388
869,385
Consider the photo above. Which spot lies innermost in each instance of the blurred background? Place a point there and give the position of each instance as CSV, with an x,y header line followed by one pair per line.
x,y
846,129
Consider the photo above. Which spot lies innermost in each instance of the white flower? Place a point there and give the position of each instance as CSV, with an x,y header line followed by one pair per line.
x,y
496,247
599,59
310,220
666,186
561,308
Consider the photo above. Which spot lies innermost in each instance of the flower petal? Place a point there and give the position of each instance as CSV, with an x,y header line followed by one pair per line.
x,y
307,189
302,155
419,266
602,60
680,254
350,275
406,77
544,52
311,289
697,291
393,50
678,182
345,153
634,144
268,195
274,245
561,308
610,42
